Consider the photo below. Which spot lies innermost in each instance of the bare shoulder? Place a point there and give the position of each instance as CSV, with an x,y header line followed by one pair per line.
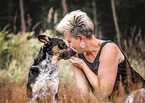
x,y
110,47
111,51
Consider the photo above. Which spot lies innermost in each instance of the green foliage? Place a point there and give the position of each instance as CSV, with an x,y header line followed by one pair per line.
x,y
65,72
138,66
17,53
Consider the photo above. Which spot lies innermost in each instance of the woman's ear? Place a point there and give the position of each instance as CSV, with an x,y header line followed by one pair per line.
x,y
80,37
43,38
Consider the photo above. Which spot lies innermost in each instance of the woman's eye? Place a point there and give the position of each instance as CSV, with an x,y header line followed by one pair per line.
x,y
69,41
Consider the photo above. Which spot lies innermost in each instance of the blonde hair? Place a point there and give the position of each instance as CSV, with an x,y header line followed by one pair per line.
x,y
76,22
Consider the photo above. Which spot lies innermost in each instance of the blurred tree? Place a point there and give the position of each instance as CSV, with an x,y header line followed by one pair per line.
x,y
129,13
116,23
23,25
65,7
95,17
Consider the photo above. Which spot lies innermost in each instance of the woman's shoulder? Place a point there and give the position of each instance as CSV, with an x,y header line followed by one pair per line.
x,y
107,47
111,49
108,44
105,42
111,45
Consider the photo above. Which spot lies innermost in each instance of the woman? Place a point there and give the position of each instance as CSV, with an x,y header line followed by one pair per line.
x,y
100,65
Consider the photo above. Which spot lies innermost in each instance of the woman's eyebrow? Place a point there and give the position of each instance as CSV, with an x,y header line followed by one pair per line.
x,y
68,41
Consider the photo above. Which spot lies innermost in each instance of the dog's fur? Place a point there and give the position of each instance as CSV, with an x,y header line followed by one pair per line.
x,y
43,80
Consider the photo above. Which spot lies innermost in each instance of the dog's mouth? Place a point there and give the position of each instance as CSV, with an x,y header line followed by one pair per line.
x,y
63,54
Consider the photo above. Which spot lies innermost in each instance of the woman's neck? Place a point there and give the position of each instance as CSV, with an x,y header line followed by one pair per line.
x,y
92,44
92,47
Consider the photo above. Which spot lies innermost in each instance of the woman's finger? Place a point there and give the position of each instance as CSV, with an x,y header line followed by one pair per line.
x,y
72,60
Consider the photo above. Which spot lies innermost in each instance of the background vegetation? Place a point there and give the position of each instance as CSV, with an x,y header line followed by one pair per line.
x,y
44,14
19,46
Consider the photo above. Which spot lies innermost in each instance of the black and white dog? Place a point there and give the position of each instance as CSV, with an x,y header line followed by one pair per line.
x,y
43,80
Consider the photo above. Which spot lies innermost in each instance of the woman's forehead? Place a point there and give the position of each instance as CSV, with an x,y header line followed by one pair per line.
x,y
67,35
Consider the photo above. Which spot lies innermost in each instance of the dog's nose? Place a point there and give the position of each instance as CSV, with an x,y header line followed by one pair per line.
x,y
73,52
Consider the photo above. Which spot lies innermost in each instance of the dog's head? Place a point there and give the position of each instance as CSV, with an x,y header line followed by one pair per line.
x,y
56,47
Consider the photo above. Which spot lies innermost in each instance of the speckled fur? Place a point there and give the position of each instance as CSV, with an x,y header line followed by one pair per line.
x,y
47,78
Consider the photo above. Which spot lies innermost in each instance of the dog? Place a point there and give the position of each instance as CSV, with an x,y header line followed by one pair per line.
x,y
43,80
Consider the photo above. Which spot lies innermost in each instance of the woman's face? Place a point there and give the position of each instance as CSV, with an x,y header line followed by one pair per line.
x,y
72,42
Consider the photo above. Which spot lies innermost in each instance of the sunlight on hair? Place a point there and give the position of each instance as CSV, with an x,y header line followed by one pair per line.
x,y
74,19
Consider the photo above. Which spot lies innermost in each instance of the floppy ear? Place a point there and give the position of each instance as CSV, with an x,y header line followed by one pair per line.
x,y
44,38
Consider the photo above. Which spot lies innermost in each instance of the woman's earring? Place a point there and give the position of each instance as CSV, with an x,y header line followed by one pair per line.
x,y
82,44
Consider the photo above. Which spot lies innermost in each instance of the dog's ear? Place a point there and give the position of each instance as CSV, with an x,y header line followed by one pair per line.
x,y
44,39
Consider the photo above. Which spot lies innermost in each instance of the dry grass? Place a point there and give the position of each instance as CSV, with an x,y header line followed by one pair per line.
x,y
10,93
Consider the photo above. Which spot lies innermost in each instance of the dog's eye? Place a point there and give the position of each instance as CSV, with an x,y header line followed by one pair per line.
x,y
62,45
48,43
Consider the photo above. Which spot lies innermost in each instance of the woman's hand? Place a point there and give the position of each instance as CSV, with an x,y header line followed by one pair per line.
x,y
77,62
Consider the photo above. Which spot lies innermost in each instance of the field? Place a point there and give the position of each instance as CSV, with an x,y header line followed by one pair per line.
x,y
17,53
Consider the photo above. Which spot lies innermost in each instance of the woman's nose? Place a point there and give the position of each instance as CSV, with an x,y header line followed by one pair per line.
x,y
69,45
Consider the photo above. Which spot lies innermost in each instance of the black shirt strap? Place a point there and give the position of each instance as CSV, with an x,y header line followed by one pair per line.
x,y
103,44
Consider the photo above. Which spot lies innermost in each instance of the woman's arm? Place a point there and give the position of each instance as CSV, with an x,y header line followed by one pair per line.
x,y
107,71
108,67
78,66
80,80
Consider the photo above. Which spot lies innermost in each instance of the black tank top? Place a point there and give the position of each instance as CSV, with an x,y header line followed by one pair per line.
x,y
125,74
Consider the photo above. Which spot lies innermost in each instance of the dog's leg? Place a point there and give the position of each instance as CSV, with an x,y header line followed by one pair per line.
x,y
53,85
29,93
32,101
54,100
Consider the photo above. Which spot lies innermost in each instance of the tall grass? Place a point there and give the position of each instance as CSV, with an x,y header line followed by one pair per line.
x,y
134,48
12,93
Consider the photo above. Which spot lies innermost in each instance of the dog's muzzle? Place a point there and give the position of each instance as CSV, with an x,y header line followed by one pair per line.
x,y
67,53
